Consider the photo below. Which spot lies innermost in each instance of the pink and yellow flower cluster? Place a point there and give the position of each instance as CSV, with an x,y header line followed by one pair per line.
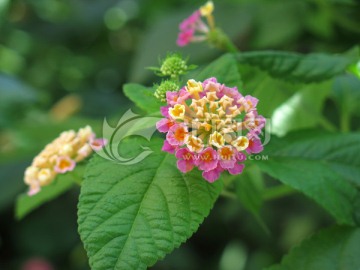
x,y
61,156
193,29
211,126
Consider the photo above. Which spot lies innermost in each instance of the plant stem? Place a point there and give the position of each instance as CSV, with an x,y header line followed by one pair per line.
x,y
345,121
277,192
220,40
229,45
228,194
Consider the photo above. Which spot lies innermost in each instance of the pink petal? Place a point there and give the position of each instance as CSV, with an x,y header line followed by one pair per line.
x,y
240,156
69,168
183,153
255,146
98,144
254,101
33,190
207,160
227,164
170,136
212,175
185,37
164,125
184,165
238,168
165,111
190,21
231,92
167,147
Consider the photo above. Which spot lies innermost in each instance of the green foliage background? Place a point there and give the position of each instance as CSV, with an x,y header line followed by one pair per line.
x,y
88,49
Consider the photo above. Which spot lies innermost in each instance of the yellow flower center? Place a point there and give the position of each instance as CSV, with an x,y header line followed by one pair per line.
x,y
194,144
177,112
180,134
241,143
64,164
226,153
194,88
216,139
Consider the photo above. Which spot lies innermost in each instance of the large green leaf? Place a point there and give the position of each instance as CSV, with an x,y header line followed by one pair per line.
x,y
326,167
301,110
331,249
224,69
132,216
143,97
260,85
296,67
63,182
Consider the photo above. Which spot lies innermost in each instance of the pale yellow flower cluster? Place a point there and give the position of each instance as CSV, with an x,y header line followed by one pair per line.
x,y
60,156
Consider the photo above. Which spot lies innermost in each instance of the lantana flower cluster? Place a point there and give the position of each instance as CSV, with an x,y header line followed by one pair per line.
x,y
211,126
60,156
193,28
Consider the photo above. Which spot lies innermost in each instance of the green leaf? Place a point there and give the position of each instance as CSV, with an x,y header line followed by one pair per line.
x,y
132,216
224,69
296,67
143,97
346,92
302,110
325,167
249,190
331,249
63,182
260,85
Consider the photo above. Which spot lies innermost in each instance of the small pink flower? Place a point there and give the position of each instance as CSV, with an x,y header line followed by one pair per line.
x,y
177,134
212,175
189,23
34,189
207,159
248,103
238,168
64,164
167,147
240,156
185,37
98,144
231,92
255,146
165,111
186,160
164,125
254,122
189,27
172,98
227,157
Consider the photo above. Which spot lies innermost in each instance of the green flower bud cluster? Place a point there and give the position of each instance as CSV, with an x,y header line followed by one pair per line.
x,y
173,66
167,85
